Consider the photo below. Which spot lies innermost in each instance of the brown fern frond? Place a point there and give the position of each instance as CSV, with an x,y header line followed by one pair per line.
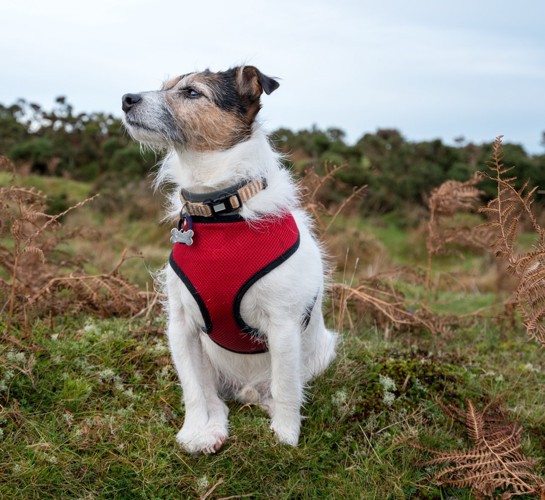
x,y
508,194
40,278
311,187
532,289
504,214
32,215
449,199
496,161
388,305
495,463
55,219
104,294
35,251
474,423
21,193
454,196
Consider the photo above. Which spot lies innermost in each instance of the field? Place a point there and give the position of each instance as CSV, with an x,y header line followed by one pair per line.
x,y
89,406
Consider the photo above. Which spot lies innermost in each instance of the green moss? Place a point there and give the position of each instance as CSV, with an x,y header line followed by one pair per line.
x,y
94,413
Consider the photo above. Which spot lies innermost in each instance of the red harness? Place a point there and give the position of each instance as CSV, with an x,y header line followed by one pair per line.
x,y
227,257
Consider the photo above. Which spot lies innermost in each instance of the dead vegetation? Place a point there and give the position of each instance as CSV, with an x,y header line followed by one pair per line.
x,y
375,297
505,214
313,187
38,274
448,200
494,464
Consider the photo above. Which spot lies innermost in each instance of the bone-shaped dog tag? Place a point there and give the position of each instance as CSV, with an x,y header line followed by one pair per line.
x,y
178,236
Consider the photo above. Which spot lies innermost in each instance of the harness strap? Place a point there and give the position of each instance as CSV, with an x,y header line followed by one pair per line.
x,y
229,255
221,202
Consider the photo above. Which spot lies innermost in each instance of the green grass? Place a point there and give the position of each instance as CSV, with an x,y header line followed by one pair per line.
x,y
94,415
55,187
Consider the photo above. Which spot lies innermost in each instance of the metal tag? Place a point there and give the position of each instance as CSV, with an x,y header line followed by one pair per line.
x,y
180,236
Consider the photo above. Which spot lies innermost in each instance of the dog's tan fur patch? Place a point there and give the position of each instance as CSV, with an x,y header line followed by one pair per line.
x,y
203,111
205,126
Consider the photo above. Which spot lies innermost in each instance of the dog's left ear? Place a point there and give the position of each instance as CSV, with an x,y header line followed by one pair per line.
x,y
252,82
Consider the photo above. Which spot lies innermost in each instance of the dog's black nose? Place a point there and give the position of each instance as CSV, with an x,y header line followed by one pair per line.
x,y
130,100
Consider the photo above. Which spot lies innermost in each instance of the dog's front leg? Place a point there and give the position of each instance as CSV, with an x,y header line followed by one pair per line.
x,y
284,340
205,424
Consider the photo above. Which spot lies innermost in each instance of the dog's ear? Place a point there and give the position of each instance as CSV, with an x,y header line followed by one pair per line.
x,y
251,82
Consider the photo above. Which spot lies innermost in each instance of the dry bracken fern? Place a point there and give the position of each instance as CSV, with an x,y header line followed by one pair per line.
x,y
452,197
505,213
375,298
444,231
37,277
449,199
312,185
495,463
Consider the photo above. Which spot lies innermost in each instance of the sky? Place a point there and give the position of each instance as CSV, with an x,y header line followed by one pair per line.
x,y
430,68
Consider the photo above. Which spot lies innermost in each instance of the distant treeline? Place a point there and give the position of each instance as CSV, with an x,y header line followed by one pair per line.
x,y
399,173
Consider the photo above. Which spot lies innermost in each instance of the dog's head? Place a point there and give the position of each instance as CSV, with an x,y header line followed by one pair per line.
x,y
198,111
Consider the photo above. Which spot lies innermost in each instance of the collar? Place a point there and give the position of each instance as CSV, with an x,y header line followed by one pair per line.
x,y
221,202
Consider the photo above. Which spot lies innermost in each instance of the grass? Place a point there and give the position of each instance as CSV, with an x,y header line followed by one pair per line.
x,y
94,415
103,233
93,412
55,187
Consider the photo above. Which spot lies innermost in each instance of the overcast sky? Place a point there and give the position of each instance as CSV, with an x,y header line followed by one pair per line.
x,y
431,68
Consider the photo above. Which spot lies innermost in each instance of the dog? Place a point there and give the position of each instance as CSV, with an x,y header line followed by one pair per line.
x,y
245,280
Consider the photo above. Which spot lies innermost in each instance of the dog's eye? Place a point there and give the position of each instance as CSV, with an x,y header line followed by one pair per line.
x,y
191,93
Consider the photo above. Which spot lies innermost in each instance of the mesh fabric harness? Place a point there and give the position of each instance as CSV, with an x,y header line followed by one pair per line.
x,y
227,257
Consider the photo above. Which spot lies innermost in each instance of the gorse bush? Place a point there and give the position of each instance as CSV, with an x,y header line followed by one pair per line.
x,y
399,173
83,146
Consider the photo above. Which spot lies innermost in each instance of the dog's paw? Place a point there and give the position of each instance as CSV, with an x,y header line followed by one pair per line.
x,y
207,440
287,432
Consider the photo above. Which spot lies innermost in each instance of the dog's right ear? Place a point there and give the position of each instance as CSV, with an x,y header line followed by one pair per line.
x,y
251,82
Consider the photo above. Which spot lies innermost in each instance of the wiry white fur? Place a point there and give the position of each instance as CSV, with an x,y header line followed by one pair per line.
x,y
202,172
275,305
